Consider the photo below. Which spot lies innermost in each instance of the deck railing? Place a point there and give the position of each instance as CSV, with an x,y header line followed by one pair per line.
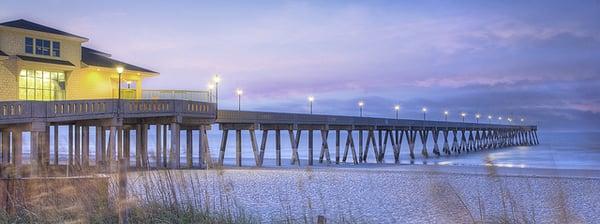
x,y
56,111
199,96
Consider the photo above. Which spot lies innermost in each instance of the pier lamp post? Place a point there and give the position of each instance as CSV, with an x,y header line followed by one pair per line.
x,y
446,115
310,103
463,115
499,119
522,120
216,79
210,91
361,104
397,109
424,109
239,92
120,71
490,119
509,120
477,116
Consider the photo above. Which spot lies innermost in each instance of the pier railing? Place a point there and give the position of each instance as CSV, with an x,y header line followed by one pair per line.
x,y
57,111
232,116
198,96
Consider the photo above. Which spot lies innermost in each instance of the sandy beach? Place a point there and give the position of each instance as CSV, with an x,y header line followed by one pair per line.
x,y
375,193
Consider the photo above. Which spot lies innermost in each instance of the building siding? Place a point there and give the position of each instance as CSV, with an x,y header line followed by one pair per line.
x,y
8,84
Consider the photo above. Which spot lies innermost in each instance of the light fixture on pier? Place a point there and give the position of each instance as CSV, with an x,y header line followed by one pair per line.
x,y
239,92
509,120
120,70
477,116
361,104
217,80
310,103
445,115
490,118
499,118
424,109
463,115
522,120
397,109
210,91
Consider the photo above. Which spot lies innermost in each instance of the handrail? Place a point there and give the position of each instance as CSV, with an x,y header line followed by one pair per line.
x,y
24,111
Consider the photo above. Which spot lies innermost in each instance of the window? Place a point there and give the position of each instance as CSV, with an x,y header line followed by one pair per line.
x,y
28,45
41,85
42,47
55,49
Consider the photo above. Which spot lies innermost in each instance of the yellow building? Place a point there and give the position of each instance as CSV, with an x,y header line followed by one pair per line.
x,y
43,64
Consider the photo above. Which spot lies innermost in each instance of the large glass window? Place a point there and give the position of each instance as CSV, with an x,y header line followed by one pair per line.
x,y
42,47
28,45
41,85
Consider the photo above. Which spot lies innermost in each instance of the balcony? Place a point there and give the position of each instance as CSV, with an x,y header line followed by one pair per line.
x,y
14,112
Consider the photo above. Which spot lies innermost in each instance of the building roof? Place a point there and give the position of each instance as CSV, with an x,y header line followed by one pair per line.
x,y
45,60
3,54
97,58
28,25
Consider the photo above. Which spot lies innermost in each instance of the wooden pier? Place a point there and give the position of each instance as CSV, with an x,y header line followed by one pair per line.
x,y
114,123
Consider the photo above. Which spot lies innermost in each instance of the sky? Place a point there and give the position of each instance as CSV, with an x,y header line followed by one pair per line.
x,y
537,60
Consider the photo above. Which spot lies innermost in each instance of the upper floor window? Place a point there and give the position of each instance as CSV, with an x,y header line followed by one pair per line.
x,y
55,49
42,47
28,45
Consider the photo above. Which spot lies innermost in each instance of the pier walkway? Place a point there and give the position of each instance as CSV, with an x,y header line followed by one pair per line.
x,y
116,121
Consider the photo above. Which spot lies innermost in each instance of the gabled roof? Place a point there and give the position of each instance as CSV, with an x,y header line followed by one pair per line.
x,y
45,60
97,58
28,25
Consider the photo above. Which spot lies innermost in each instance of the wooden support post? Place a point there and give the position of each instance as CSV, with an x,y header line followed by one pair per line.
x,y
384,146
295,142
70,146
378,155
45,155
145,160
436,134
360,147
263,145
119,143
277,147
165,145
138,146
399,134
127,145
412,135
5,146
205,158
324,147
56,149
310,147
85,149
424,134
159,152
255,149
223,146
189,148
346,148
175,157
446,147
122,196
337,146
351,140
77,150
238,147
34,153
110,150
103,152
17,146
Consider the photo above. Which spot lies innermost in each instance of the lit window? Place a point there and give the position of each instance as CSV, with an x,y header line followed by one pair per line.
x,y
28,45
41,85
